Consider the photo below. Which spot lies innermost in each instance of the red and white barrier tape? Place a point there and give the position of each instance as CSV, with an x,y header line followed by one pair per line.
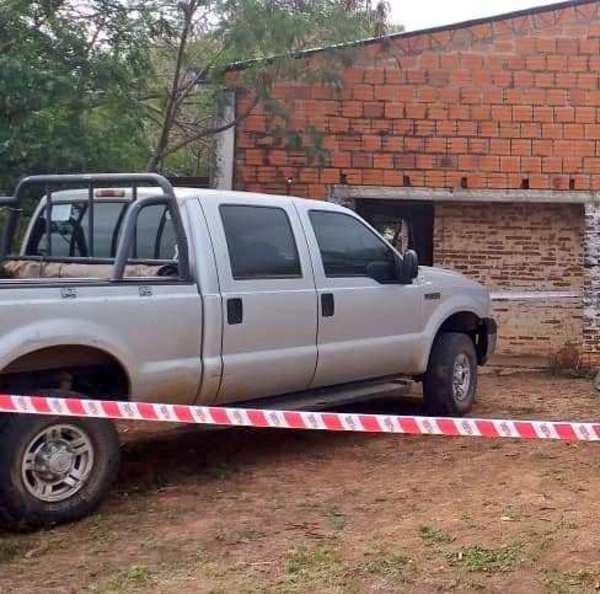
x,y
282,419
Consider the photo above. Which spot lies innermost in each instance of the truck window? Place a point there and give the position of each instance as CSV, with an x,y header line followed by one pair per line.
x,y
260,242
347,246
70,229
155,235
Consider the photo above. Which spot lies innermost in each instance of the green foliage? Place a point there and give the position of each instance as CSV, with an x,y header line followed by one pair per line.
x,y
91,85
66,75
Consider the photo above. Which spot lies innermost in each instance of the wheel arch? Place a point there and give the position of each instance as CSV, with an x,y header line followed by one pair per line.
x,y
68,366
467,322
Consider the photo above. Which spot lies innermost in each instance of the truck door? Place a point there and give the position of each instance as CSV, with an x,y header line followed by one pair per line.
x,y
268,295
366,328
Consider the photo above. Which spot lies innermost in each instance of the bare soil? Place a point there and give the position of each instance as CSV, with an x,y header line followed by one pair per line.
x,y
255,511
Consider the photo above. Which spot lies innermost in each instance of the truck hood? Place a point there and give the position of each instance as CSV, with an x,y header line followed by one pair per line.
x,y
448,278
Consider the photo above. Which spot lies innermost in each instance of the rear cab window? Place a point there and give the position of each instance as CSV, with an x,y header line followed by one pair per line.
x,y
70,252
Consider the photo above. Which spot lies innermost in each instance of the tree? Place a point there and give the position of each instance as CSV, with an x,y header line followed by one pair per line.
x,y
204,37
67,72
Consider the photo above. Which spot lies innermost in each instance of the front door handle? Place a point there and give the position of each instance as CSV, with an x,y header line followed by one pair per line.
x,y
327,305
235,311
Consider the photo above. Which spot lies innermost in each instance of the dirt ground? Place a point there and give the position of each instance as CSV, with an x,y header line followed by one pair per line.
x,y
245,511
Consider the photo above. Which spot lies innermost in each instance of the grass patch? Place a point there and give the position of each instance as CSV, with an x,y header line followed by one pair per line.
x,y
388,564
319,564
11,548
337,519
123,581
482,560
433,536
584,581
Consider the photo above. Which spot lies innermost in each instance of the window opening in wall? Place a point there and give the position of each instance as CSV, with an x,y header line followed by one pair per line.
x,y
405,226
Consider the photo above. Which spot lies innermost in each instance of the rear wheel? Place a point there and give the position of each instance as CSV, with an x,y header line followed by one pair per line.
x,y
450,383
54,469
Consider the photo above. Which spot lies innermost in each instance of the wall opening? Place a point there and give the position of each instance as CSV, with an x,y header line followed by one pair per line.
x,y
404,225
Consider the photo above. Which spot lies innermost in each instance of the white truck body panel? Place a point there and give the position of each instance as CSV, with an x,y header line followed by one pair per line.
x,y
175,342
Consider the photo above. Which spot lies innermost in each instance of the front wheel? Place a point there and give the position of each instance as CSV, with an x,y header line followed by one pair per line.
x,y
54,469
450,383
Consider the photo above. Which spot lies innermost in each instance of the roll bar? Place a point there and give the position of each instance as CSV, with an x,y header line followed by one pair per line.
x,y
131,179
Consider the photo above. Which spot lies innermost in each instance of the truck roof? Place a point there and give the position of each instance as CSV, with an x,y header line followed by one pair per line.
x,y
182,194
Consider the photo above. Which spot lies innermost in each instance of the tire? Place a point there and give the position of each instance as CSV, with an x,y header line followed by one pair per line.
x,y
83,452
450,383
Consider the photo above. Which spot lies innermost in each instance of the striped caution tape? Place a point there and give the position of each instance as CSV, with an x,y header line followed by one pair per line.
x,y
286,419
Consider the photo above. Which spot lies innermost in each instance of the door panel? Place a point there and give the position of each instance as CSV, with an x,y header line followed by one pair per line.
x,y
270,320
370,329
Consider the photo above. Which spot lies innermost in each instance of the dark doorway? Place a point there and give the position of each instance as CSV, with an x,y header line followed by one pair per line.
x,y
404,225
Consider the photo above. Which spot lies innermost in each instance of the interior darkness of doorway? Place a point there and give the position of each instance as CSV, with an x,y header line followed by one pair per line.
x,y
404,225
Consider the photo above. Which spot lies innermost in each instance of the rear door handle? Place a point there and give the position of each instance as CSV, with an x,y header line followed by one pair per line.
x,y
235,311
327,305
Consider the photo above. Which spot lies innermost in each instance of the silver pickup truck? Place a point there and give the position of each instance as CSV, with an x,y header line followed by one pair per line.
x,y
117,286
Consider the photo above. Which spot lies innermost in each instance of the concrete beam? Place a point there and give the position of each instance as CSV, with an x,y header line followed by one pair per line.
x,y
344,194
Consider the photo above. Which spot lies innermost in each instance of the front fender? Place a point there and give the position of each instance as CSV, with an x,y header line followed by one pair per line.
x,y
452,305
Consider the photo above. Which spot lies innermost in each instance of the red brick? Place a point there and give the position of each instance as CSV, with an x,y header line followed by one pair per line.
x,y
500,146
362,92
502,113
467,128
552,130
510,164
520,147
587,81
340,159
573,131
479,146
578,63
459,112
531,164
592,131
557,62
362,160
522,113
416,111
373,109
393,178
394,110
383,161
585,115
352,109
552,165
374,76
372,177
255,157
531,130
330,176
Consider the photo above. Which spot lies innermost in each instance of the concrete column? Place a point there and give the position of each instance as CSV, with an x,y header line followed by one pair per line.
x,y
591,285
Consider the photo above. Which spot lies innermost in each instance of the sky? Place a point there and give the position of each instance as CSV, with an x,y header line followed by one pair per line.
x,y
421,14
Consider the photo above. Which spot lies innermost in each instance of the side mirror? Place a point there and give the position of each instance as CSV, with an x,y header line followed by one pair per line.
x,y
407,267
382,272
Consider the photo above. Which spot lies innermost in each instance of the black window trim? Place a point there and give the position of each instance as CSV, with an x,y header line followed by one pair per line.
x,y
262,277
358,220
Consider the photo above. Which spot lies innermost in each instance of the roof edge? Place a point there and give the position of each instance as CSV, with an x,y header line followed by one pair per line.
x,y
244,64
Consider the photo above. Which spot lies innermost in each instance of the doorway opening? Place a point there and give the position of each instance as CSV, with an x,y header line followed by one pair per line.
x,y
404,225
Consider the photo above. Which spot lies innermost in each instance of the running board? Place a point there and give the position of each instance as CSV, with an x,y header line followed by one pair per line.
x,y
324,398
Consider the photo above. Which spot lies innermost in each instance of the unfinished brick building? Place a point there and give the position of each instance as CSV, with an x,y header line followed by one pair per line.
x,y
483,139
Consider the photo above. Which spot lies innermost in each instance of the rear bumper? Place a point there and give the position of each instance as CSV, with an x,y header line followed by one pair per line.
x,y
487,340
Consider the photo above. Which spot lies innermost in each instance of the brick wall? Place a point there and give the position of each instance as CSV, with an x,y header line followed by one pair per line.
x,y
520,247
502,104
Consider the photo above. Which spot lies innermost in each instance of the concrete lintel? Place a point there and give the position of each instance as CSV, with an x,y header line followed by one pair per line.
x,y
345,193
